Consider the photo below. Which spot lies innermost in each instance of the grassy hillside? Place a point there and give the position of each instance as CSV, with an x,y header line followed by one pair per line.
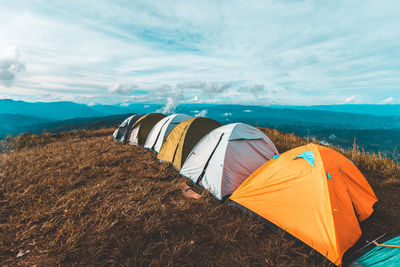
x,y
78,198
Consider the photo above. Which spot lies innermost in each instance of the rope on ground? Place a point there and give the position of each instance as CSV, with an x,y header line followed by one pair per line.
x,y
384,245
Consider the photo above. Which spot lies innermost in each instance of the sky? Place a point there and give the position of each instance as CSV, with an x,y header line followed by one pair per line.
x,y
171,52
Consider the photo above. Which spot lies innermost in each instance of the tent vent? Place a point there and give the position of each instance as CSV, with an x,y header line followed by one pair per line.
x,y
307,155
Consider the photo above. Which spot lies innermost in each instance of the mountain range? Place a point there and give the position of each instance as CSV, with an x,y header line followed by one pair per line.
x,y
374,127
372,109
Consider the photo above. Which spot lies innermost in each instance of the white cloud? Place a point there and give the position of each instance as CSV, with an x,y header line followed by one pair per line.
x,y
387,100
170,106
247,110
350,100
216,87
11,65
173,98
207,87
191,85
256,89
202,113
124,88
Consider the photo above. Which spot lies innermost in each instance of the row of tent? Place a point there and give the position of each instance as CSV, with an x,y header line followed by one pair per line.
x,y
312,192
218,158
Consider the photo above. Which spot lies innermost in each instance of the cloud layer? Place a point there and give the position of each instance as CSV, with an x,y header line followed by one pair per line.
x,y
279,52
173,99
11,65
122,88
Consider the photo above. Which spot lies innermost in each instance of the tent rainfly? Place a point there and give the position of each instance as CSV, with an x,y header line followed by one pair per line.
x,y
225,157
315,194
121,134
183,138
142,127
161,130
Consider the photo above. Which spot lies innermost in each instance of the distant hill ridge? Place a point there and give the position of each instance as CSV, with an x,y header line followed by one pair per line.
x,y
50,111
78,123
373,132
372,109
24,124
10,122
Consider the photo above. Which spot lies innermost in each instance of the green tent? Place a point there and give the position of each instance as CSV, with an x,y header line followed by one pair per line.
x,y
142,127
386,254
183,138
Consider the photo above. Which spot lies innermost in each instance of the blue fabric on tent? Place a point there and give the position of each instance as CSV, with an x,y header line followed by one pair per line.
x,y
276,156
328,175
307,155
382,256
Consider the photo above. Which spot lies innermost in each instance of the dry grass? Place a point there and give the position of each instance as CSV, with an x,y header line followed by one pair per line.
x,y
80,199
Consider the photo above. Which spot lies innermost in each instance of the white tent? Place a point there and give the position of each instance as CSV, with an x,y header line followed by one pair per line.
x,y
160,131
225,157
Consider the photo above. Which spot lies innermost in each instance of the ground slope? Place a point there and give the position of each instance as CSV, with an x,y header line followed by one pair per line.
x,y
79,198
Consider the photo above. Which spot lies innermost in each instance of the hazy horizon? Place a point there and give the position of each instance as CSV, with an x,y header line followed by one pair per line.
x,y
124,104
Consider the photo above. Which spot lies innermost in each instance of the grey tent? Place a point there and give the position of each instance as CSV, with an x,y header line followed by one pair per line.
x,y
122,133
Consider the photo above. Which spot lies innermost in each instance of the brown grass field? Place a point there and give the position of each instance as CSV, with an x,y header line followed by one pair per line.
x,y
79,198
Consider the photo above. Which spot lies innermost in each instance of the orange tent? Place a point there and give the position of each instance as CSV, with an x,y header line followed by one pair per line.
x,y
315,194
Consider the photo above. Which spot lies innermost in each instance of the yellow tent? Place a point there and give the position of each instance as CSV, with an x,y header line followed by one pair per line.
x,y
315,194
183,138
142,127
